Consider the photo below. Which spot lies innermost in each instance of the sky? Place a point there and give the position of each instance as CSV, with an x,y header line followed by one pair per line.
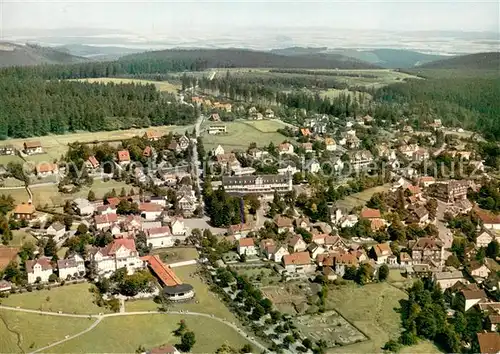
x,y
163,16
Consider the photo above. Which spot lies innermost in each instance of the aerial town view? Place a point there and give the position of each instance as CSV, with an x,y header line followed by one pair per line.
x,y
229,177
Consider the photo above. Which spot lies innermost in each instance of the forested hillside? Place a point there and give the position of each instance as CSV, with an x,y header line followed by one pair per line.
x,y
38,107
17,55
468,102
482,61
241,58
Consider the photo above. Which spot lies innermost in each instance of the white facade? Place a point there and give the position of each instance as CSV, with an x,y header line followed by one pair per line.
x,y
178,227
110,258
39,268
57,231
248,250
279,254
151,215
161,241
219,150
484,239
83,207
74,266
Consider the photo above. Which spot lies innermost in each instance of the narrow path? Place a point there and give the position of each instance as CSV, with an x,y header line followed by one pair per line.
x,y
18,335
101,317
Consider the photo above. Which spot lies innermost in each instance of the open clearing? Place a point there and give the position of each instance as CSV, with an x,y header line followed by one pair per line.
x,y
360,199
32,331
20,195
204,302
20,237
290,298
373,78
55,146
73,299
162,86
259,275
371,308
125,334
241,133
173,255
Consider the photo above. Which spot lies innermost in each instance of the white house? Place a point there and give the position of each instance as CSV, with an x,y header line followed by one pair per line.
x,y
57,231
381,253
83,207
299,262
247,246
159,237
297,244
219,150
105,209
178,228
40,268
449,278
289,169
150,211
71,267
473,297
330,144
118,254
478,270
313,166
484,239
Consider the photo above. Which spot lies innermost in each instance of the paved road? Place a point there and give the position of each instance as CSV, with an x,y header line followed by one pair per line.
x,y
99,318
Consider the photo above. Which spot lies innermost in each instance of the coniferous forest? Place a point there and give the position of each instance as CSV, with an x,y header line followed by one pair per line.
x,y
32,107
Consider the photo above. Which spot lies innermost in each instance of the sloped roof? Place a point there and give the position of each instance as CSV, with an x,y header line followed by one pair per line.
x,y
106,218
24,209
299,258
44,262
246,242
369,213
123,155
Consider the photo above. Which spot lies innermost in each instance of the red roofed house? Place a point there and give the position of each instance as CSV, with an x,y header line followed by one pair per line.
x,y
377,224
104,221
426,181
159,237
240,230
152,135
305,131
247,246
39,270
118,254
368,213
296,244
46,169
299,262
33,147
148,151
489,343
381,253
414,190
92,163
150,211
123,157
490,221
24,211
285,148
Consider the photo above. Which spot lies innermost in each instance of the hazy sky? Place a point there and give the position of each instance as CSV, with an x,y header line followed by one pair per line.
x,y
147,16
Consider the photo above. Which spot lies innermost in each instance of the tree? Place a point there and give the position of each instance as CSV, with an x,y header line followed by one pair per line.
x,y
68,222
383,272
247,348
53,278
188,339
493,249
91,196
453,261
50,248
392,346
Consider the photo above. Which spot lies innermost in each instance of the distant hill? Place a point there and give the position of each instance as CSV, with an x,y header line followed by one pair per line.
x,y
97,52
293,51
391,58
242,58
479,61
29,54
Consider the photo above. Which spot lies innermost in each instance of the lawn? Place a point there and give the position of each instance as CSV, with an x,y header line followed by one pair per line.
x,y
360,199
264,276
240,134
20,195
371,308
205,301
266,126
74,298
126,334
56,145
173,255
162,86
34,331
20,237
397,279
100,188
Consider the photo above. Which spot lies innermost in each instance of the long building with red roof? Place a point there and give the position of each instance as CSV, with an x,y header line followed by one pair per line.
x,y
174,288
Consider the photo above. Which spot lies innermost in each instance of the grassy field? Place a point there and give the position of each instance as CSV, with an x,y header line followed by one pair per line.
x,y
56,145
264,276
360,199
20,237
205,301
371,308
126,334
377,77
74,298
162,86
241,133
20,195
173,255
24,332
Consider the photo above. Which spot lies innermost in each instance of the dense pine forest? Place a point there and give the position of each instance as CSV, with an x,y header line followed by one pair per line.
x,y
33,107
468,102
